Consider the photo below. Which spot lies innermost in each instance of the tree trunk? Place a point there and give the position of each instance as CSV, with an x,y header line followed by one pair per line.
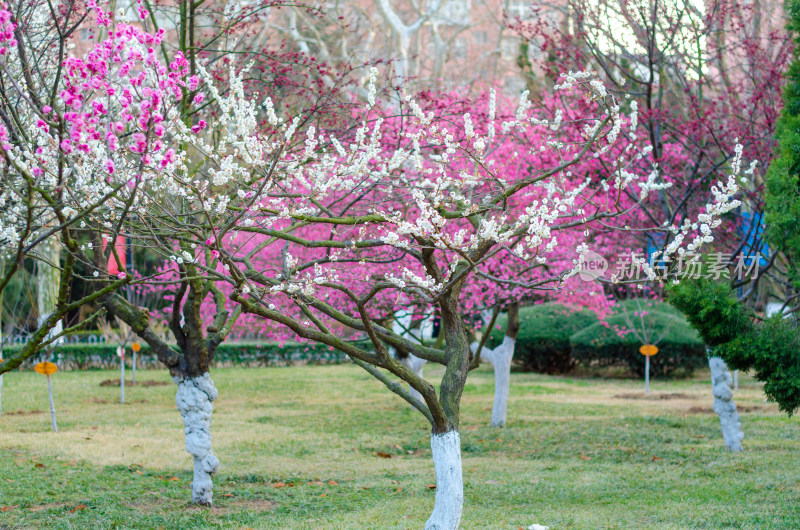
x,y
500,358
501,361
415,364
195,398
449,482
724,405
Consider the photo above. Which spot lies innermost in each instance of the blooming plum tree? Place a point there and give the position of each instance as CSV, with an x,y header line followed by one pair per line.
x,y
120,141
368,229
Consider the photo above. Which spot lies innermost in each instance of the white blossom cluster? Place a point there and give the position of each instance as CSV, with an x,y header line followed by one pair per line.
x,y
706,223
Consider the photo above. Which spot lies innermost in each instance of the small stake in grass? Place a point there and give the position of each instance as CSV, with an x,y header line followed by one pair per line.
x,y
1,391
48,369
135,347
647,350
121,354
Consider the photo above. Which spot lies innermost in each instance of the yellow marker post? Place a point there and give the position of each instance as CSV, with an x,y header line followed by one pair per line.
x,y
48,369
135,347
121,355
647,350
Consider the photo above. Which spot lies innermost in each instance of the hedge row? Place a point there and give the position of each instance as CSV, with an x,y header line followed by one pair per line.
x,y
83,356
553,339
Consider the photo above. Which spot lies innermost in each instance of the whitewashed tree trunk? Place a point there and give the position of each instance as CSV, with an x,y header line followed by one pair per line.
x,y
449,482
415,364
500,359
195,398
724,405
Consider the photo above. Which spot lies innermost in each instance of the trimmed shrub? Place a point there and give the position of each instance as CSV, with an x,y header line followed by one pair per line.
x,y
543,343
680,348
82,356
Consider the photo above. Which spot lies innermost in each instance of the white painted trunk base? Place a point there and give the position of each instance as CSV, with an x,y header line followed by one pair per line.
x,y
724,405
415,364
195,398
500,359
449,482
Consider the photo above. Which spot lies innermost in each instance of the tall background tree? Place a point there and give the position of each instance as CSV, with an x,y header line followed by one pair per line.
x,y
742,337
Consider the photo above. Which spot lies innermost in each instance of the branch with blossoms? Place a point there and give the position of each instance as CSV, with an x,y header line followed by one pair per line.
x,y
129,141
436,206
411,209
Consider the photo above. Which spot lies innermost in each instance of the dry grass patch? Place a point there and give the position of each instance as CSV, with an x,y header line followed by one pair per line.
x,y
306,447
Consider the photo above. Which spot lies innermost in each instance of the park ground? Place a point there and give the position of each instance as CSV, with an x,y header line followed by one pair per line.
x,y
329,447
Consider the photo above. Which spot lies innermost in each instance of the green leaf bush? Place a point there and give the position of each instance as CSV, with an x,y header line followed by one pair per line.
x,y
770,348
543,343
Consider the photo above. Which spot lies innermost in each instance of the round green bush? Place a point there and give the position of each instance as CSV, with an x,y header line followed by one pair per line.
x,y
543,342
680,349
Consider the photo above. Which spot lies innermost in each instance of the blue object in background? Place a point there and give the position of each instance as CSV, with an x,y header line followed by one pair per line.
x,y
754,239
655,241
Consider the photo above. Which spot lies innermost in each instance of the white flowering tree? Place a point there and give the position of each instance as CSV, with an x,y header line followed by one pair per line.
x,y
109,144
406,212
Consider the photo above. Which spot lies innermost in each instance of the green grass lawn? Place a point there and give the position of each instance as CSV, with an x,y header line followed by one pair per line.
x,y
299,449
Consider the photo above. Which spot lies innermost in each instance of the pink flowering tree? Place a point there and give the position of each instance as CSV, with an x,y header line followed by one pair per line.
x,y
42,209
124,140
703,78
93,131
326,238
